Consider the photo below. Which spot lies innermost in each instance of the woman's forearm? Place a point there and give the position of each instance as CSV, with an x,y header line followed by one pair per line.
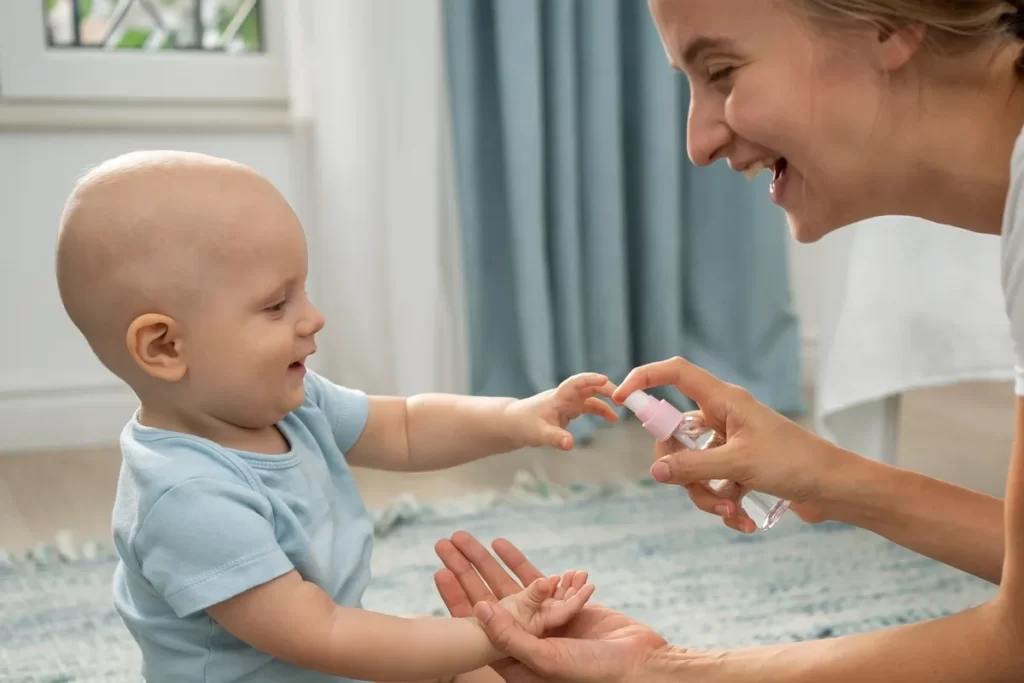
x,y
953,525
977,645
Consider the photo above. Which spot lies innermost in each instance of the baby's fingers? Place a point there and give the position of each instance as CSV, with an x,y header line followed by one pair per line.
x,y
591,382
539,591
570,584
596,406
563,611
563,585
557,438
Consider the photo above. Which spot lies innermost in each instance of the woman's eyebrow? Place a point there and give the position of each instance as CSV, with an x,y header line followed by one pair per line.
x,y
702,44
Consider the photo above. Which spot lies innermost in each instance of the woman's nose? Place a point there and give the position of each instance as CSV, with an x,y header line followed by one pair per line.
x,y
707,135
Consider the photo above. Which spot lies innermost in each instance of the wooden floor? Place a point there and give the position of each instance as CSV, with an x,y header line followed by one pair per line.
x,y
961,434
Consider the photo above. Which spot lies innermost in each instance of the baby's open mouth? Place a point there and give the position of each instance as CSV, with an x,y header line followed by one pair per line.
x,y
296,365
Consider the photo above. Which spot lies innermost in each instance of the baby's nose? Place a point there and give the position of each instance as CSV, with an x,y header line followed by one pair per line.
x,y
313,323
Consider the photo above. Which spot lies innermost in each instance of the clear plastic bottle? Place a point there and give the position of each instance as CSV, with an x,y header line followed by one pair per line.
x,y
665,422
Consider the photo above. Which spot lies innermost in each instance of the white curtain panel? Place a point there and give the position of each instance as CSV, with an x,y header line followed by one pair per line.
x,y
369,101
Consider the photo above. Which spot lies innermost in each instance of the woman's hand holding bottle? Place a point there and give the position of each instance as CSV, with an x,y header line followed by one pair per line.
x,y
763,451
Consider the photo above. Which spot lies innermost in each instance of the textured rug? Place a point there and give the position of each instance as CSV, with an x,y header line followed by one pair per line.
x,y
649,552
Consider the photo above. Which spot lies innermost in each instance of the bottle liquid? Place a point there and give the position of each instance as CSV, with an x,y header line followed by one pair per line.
x,y
665,422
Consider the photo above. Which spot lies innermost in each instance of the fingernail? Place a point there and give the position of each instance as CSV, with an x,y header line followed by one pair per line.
x,y
485,612
748,526
661,471
565,442
722,510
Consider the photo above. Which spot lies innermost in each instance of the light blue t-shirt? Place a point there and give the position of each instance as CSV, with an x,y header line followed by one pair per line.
x,y
196,523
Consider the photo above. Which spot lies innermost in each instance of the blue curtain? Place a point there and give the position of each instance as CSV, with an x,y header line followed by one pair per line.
x,y
590,243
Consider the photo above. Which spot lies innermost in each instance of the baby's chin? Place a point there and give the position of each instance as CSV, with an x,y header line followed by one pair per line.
x,y
295,400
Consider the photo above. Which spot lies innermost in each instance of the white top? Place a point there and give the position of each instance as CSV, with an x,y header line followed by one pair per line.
x,y
1013,259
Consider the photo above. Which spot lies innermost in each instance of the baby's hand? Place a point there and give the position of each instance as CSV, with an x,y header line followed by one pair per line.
x,y
549,603
541,420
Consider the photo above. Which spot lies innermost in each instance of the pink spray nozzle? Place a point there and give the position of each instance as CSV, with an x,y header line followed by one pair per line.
x,y
642,405
660,418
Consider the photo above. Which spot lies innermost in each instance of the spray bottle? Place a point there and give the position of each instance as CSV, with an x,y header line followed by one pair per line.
x,y
662,420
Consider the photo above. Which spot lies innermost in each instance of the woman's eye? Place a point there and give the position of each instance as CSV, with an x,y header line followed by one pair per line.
x,y
720,74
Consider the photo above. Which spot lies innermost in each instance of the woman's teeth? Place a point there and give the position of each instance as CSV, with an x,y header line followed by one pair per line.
x,y
755,168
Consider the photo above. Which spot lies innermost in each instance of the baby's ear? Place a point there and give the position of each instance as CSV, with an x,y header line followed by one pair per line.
x,y
156,346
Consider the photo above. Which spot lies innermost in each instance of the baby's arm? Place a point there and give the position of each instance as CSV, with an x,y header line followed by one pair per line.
x,y
293,620
208,546
438,431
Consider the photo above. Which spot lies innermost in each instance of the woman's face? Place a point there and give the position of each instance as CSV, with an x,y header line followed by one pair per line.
x,y
768,87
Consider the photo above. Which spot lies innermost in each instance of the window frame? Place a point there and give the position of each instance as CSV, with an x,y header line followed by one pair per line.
x,y
31,71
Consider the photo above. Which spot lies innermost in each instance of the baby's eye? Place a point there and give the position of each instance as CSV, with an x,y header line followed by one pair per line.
x,y
277,308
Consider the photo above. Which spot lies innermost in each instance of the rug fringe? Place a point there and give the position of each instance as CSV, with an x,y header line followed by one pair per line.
x,y
527,489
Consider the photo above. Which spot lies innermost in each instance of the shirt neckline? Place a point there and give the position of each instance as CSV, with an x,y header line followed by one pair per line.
x,y
260,460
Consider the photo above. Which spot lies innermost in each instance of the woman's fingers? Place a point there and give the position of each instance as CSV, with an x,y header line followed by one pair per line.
x,y
727,461
695,382
708,502
732,513
490,570
465,575
743,524
514,560
453,594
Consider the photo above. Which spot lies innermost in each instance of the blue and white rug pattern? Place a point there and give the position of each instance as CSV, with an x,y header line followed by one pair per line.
x,y
649,552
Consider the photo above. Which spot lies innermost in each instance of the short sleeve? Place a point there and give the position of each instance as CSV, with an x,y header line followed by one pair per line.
x,y
346,409
1013,261
205,541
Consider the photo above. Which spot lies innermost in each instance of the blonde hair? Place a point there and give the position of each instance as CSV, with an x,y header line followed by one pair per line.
x,y
950,25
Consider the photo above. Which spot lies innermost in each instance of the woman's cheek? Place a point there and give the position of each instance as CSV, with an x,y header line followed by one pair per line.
x,y
755,117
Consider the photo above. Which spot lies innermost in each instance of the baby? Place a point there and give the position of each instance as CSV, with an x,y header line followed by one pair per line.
x,y
244,545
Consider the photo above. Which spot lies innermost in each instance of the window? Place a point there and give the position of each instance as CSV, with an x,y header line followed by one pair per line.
x,y
148,25
156,50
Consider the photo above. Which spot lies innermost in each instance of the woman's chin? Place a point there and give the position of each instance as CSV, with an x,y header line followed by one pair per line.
x,y
802,231
807,230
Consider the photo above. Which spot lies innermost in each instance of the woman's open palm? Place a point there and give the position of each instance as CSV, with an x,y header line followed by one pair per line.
x,y
597,645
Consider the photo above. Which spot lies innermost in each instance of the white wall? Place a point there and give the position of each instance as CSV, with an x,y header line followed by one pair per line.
x,y
53,392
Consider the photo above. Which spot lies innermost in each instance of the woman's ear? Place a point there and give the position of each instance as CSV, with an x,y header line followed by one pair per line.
x,y
156,346
897,47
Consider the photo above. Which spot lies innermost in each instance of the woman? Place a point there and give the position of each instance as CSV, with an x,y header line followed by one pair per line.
x,y
862,108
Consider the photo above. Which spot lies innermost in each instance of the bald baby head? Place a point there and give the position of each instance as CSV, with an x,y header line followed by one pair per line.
x,y
156,232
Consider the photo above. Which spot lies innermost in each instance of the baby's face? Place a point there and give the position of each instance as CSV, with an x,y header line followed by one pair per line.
x,y
251,331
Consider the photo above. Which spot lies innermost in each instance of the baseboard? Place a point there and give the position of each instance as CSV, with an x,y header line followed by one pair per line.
x,y
55,420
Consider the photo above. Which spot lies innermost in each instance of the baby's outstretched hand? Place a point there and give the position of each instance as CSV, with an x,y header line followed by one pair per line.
x,y
541,420
549,603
